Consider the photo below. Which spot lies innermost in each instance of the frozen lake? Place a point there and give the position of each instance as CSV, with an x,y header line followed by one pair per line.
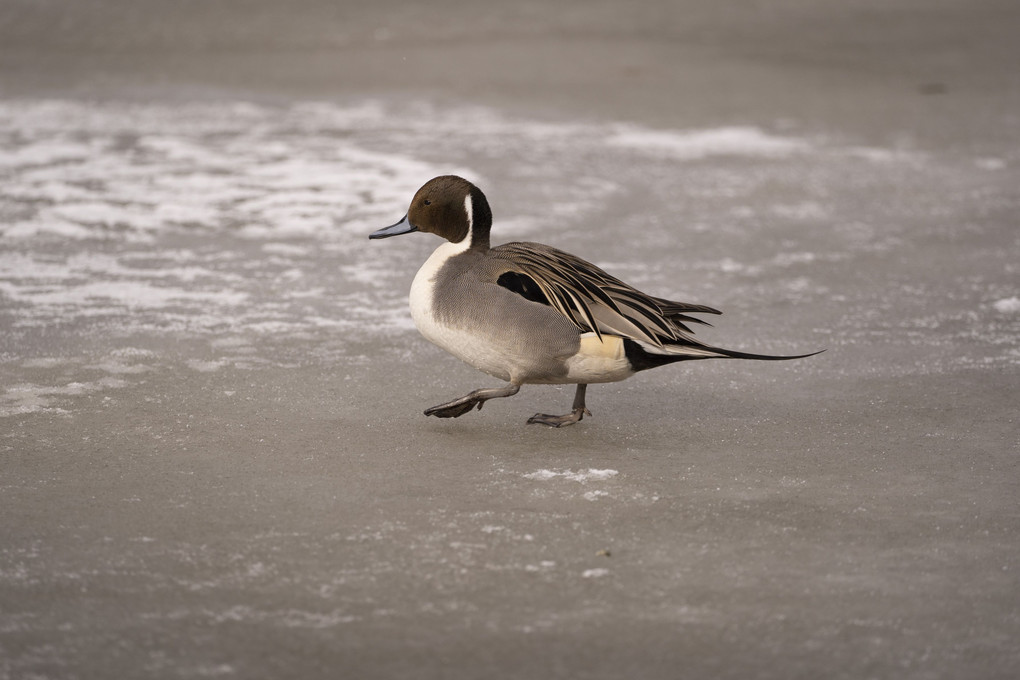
x,y
215,461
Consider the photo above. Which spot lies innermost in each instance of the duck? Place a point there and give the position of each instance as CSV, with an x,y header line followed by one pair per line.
x,y
528,313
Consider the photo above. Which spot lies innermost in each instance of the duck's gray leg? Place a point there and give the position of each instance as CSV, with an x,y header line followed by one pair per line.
x,y
579,412
458,407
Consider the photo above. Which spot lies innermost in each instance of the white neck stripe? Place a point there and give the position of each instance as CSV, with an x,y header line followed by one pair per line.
x,y
450,249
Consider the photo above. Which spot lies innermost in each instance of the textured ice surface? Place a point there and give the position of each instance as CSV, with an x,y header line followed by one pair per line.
x,y
211,394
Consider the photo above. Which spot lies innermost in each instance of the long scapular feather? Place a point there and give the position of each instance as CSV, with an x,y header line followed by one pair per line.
x,y
598,302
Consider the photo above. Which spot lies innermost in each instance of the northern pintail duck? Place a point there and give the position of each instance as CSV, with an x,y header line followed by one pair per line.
x,y
529,313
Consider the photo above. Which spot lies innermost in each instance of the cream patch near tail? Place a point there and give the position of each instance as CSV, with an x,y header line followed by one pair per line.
x,y
599,360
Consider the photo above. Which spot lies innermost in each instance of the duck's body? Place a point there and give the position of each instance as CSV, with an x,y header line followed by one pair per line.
x,y
527,313
505,335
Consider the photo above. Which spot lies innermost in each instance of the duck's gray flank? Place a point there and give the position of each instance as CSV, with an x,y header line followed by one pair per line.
x,y
531,313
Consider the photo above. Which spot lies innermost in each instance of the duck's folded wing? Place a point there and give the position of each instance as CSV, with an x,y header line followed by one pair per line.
x,y
592,299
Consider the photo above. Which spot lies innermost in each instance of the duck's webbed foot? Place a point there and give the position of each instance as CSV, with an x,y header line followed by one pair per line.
x,y
453,409
576,415
559,421
458,407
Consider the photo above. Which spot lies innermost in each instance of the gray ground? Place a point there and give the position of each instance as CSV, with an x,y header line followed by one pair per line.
x,y
214,461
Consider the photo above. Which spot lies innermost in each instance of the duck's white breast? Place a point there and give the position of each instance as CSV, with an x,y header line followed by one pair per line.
x,y
471,345
423,287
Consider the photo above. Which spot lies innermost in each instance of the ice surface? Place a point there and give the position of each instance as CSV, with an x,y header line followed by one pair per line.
x,y
215,461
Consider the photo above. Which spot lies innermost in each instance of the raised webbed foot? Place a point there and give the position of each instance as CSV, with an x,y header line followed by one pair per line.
x,y
453,409
458,407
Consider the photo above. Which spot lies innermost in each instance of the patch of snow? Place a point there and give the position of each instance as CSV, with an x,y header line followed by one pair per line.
x,y
697,144
1010,305
582,476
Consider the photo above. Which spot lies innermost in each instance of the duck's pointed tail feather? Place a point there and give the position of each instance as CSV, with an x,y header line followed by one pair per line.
x,y
706,352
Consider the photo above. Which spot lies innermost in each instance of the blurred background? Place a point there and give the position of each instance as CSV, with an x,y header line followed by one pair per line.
x,y
862,63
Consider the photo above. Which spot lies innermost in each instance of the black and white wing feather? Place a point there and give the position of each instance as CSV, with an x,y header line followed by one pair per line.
x,y
594,300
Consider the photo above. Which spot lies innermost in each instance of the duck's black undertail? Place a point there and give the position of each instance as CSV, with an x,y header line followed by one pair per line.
x,y
641,359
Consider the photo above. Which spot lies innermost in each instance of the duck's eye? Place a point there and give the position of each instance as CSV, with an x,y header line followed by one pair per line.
x,y
428,202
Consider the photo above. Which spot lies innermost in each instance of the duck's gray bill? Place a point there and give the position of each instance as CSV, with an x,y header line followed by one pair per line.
x,y
401,227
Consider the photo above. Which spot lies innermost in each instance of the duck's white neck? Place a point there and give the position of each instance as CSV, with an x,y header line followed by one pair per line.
x,y
421,289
